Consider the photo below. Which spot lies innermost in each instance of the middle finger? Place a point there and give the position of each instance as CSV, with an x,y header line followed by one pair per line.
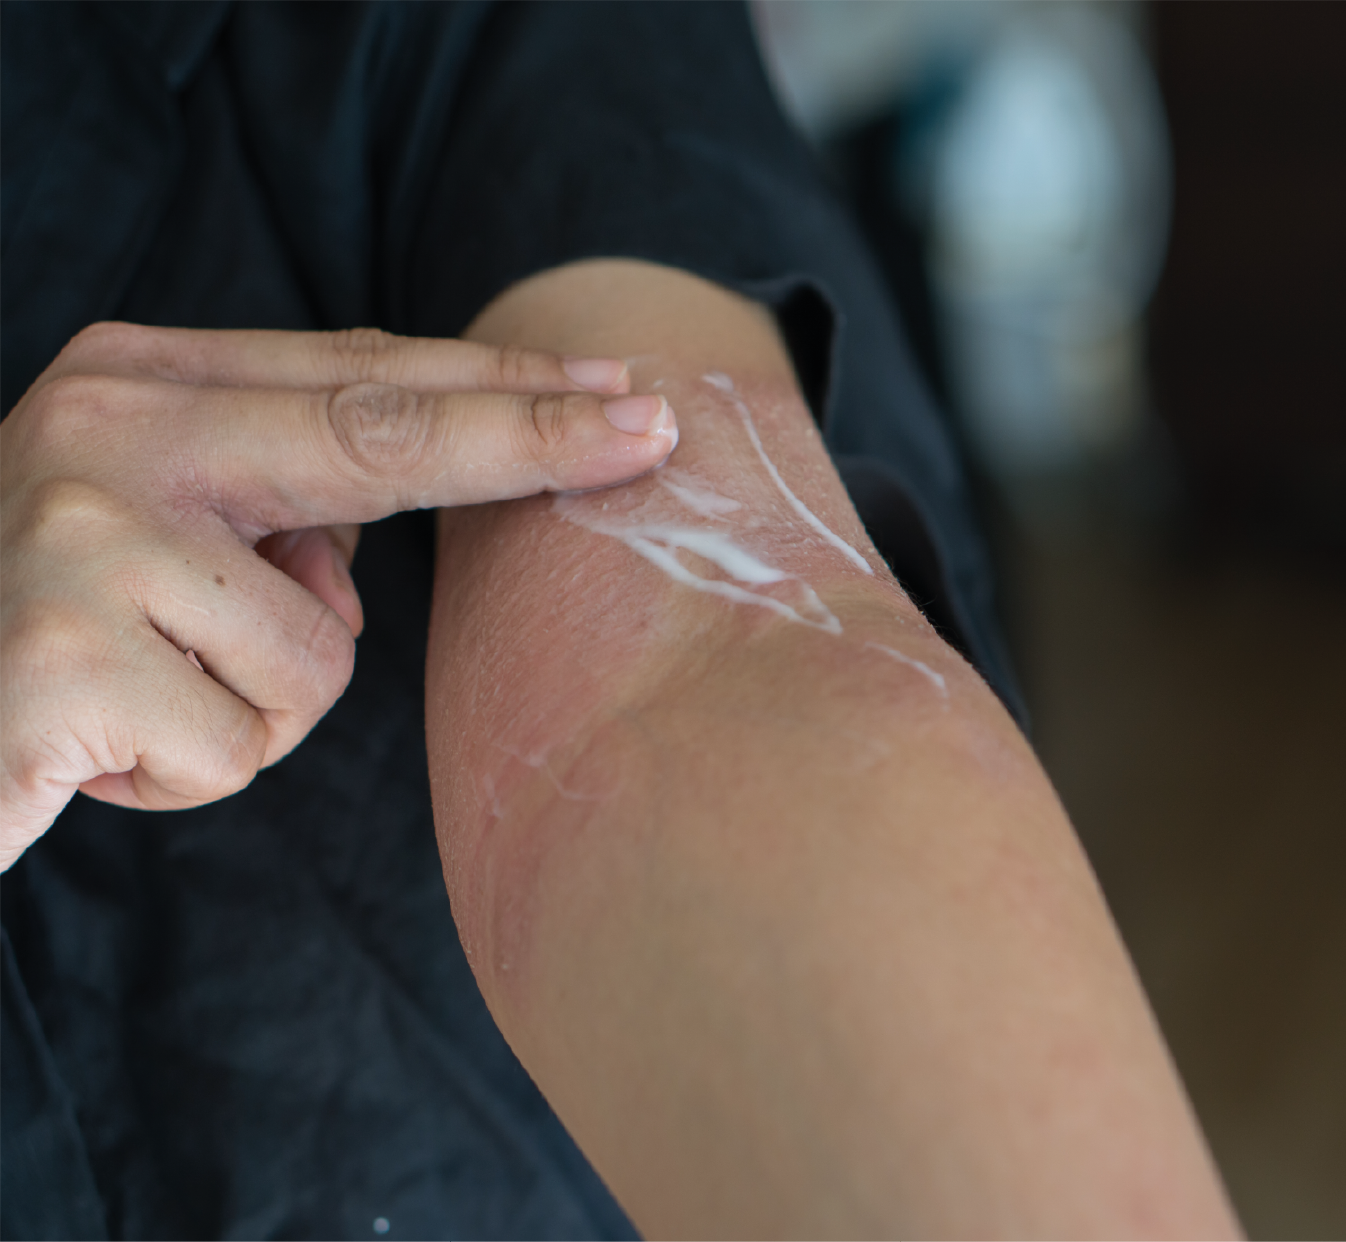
x,y
254,630
248,358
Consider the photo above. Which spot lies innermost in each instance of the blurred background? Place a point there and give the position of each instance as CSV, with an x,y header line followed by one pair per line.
x,y
1116,233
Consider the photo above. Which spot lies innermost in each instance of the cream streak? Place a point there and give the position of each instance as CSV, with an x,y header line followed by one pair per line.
x,y
725,385
696,497
936,679
660,543
706,557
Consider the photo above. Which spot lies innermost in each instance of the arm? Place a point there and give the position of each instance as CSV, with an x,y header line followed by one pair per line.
x,y
756,875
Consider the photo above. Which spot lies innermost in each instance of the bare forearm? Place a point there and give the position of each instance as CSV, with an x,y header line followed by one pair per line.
x,y
761,883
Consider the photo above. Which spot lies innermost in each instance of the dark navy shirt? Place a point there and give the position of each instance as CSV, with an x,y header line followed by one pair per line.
x,y
254,1019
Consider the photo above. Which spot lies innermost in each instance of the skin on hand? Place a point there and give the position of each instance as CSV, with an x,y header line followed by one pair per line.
x,y
783,917
180,510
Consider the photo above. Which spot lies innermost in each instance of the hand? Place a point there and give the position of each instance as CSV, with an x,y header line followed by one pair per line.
x,y
178,514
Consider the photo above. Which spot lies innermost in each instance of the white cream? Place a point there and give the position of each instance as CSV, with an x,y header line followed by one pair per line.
x,y
659,543
717,379
665,557
703,554
695,495
715,547
936,679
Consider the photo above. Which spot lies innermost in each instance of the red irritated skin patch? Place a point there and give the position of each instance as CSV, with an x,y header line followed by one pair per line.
x,y
561,608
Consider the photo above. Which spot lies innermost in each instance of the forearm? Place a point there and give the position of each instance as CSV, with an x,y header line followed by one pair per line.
x,y
762,884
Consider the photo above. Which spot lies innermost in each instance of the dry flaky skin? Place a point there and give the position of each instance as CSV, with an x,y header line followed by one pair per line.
x,y
771,898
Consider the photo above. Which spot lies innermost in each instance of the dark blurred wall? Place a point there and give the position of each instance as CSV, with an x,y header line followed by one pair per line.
x,y
1248,331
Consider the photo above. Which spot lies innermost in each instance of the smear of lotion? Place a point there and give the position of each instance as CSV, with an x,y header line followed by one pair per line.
x,y
661,550
710,544
660,542
695,495
936,679
719,380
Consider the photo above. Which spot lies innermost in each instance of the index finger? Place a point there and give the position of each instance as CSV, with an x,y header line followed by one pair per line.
x,y
258,358
282,459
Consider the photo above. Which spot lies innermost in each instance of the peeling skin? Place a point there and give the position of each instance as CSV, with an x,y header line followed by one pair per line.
x,y
492,798
538,762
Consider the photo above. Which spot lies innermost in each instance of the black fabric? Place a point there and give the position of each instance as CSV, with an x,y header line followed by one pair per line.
x,y
41,1148
254,1019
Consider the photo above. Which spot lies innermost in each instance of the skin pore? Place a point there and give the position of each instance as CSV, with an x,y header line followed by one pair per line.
x,y
756,875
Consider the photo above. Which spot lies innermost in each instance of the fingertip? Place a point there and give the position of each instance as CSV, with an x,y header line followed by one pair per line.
x,y
633,453
660,424
343,598
637,416
348,607
598,374
670,432
664,432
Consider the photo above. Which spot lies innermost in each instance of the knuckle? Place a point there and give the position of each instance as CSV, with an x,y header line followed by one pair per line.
x,y
36,775
238,756
71,414
378,427
26,765
106,340
513,367
369,353
65,407
63,513
52,670
207,745
548,425
329,653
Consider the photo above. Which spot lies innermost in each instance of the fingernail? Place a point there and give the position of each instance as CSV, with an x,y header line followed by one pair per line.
x,y
635,415
598,374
